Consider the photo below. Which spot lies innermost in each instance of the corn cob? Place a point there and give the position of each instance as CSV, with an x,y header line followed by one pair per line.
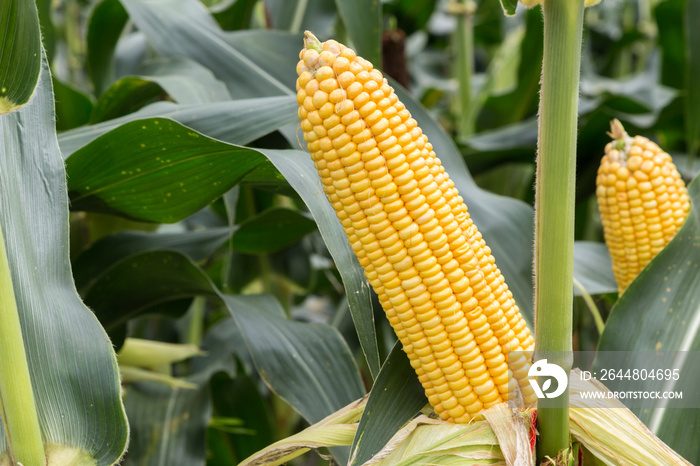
x,y
642,201
410,230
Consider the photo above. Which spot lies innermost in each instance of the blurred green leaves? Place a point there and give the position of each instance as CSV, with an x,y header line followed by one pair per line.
x,y
21,58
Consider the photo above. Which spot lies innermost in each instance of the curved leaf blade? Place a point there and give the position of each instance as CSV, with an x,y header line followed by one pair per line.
x,y
134,285
66,347
185,81
106,23
155,170
299,171
397,391
692,70
20,61
297,359
287,361
185,28
363,20
661,311
593,268
309,365
196,245
272,230
220,120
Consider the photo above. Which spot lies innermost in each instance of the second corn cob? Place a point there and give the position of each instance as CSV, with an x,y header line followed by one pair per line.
x,y
410,230
642,200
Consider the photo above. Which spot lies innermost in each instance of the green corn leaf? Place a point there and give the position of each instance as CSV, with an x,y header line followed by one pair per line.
x,y
65,345
660,310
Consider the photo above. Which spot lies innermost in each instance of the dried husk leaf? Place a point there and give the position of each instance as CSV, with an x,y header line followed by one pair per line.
x,y
512,429
336,430
614,435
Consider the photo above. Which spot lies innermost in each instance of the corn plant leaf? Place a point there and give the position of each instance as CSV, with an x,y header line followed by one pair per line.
x,y
20,61
158,433
196,245
593,268
240,398
336,429
309,365
185,81
106,23
297,360
72,106
397,391
271,230
299,171
220,120
155,170
152,278
363,21
185,28
509,7
66,347
303,358
661,311
692,71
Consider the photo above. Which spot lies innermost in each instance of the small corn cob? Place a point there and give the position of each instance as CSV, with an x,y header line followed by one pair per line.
x,y
642,201
411,232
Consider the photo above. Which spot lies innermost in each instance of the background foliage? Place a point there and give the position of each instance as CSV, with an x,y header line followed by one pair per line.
x,y
196,216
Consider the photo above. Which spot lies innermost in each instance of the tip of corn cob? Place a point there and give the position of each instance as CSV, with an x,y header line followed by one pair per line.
x,y
311,42
411,232
621,139
642,201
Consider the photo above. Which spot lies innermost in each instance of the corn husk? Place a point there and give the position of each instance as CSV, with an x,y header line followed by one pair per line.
x,y
614,435
501,436
335,430
431,441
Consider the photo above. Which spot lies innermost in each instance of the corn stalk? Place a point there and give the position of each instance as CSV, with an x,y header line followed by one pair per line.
x,y
19,414
554,207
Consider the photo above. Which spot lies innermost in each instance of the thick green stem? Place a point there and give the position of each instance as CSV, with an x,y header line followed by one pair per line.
x,y
554,217
19,414
464,64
